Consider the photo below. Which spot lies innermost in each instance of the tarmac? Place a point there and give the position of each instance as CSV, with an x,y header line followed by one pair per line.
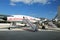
x,y
4,26
21,34
27,35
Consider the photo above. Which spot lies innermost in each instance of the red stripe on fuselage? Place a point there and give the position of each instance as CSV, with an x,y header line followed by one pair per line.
x,y
17,19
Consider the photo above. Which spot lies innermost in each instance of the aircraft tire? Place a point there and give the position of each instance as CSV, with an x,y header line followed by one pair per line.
x,y
9,28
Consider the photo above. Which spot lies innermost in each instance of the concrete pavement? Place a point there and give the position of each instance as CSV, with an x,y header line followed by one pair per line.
x,y
26,35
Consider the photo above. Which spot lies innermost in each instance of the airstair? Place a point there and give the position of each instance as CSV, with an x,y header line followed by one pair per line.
x,y
33,27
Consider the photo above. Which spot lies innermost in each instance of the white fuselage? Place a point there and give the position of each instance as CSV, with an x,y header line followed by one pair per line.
x,y
20,18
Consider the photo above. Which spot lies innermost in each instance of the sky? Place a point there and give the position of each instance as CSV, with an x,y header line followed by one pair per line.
x,y
35,8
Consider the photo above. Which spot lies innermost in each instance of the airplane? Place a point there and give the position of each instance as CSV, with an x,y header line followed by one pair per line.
x,y
20,18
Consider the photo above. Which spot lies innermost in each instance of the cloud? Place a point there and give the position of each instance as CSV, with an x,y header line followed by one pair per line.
x,y
24,1
12,4
40,1
30,1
